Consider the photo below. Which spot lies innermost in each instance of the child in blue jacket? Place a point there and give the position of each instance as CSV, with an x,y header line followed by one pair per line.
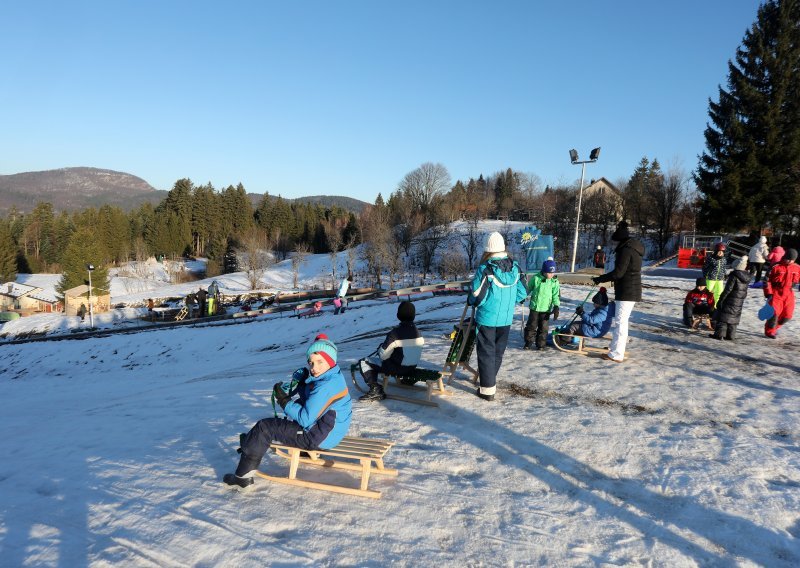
x,y
496,289
318,419
597,322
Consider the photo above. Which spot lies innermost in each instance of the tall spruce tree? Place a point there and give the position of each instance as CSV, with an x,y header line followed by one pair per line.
x,y
84,248
8,255
749,174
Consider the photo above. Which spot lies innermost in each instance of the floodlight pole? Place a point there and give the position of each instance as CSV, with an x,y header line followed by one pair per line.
x,y
89,267
574,158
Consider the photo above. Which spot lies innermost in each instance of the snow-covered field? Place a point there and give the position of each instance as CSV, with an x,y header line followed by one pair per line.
x,y
688,454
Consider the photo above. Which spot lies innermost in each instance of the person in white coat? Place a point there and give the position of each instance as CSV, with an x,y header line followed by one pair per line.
x,y
340,301
757,257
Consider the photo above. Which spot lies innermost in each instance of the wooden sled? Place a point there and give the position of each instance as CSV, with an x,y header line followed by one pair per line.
x,y
464,339
430,378
352,453
580,347
705,321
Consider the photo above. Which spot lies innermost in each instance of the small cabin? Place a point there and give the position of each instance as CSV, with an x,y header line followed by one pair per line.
x,y
74,297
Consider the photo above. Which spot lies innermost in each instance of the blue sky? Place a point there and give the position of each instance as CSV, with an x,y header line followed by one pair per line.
x,y
312,97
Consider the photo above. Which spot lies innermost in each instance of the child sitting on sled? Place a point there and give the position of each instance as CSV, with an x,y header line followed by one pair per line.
x,y
597,322
399,353
318,419
699,302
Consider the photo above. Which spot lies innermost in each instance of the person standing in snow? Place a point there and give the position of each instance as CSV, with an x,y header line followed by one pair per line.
x,y
496,289
545,292
773,258
599,258
729,306
318,419
757,257
627,278
779,293
399,353
82,312
341,295
714,270
201,295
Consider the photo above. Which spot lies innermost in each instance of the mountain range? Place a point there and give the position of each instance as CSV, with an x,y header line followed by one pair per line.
x,y
73,189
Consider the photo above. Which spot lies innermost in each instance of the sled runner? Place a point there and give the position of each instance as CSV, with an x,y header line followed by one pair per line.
x,y
352,453
576,344
429,377
705,321
463,336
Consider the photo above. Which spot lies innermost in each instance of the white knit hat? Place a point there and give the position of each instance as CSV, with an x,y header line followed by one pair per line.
x,y
495,243
742,264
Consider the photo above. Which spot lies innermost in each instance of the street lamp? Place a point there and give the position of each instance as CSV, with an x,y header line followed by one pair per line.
x,y
90,267
573,157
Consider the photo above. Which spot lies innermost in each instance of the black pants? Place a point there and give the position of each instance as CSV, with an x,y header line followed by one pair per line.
x,y
689,310
536,329
757,268
266,431
726,330
492,343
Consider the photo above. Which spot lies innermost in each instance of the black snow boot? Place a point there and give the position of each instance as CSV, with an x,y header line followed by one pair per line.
x,y
375,393
488,397
234,480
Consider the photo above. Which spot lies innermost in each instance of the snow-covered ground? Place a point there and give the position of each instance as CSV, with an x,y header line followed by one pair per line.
x,y
686,455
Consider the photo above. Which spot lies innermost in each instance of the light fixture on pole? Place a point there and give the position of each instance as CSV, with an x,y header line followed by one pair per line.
x,y
90,267
573,157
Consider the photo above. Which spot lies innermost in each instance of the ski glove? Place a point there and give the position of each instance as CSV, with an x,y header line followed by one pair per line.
x,y
579,310
596,279
300,375
555,313
280,395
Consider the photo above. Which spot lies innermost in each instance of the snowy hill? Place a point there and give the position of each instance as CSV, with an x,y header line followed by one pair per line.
x,y
688,454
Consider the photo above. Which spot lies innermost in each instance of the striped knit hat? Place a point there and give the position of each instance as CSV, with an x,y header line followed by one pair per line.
x,y
325,348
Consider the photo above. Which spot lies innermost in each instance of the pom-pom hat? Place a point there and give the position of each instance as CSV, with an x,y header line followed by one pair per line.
x,y
548,266
495,243
601,298
325,348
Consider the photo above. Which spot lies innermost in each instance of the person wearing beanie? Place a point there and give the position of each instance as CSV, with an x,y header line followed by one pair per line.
x,y
779,293
757,257
318,418
699,302
545,292
627,279
599,258
714,270
597,322
399,354
728,310
496,289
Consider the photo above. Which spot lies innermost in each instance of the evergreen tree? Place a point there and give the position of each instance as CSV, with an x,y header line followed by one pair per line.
x,y
84,248
176,210
749,174
8,255
230,262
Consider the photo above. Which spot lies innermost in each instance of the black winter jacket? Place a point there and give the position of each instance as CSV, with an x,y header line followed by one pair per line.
x,y
627,273
729,305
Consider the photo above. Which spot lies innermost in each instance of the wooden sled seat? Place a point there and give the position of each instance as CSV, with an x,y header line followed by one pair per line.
x,y
429,377
352,453
567,343
704,320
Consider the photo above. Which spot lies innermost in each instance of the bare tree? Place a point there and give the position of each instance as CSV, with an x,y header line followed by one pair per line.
x,y
666,200
427,245
255,256
298,258
423,184
333,234
280,244
471,241
452,264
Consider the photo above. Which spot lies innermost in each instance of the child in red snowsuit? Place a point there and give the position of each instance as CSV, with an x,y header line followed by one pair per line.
x,y
779,293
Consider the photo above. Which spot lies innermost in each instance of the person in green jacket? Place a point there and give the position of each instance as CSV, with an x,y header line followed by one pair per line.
x,y
544,290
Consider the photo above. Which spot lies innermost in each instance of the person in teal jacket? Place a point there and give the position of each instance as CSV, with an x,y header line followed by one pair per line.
x,y
545,292
496,289
318,419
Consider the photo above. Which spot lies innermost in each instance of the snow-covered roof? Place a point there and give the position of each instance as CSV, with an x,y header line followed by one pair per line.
x,y
17,290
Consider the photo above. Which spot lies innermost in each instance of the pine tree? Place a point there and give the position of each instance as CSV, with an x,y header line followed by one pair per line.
x,y
749,174
84,248
8,255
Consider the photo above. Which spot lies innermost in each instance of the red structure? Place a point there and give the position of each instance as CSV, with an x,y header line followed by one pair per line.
x,y
692,252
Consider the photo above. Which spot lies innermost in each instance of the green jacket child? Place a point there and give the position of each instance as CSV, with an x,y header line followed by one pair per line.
x,y
545,291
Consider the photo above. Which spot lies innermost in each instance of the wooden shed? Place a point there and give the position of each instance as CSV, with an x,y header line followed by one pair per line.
x,y
74,297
